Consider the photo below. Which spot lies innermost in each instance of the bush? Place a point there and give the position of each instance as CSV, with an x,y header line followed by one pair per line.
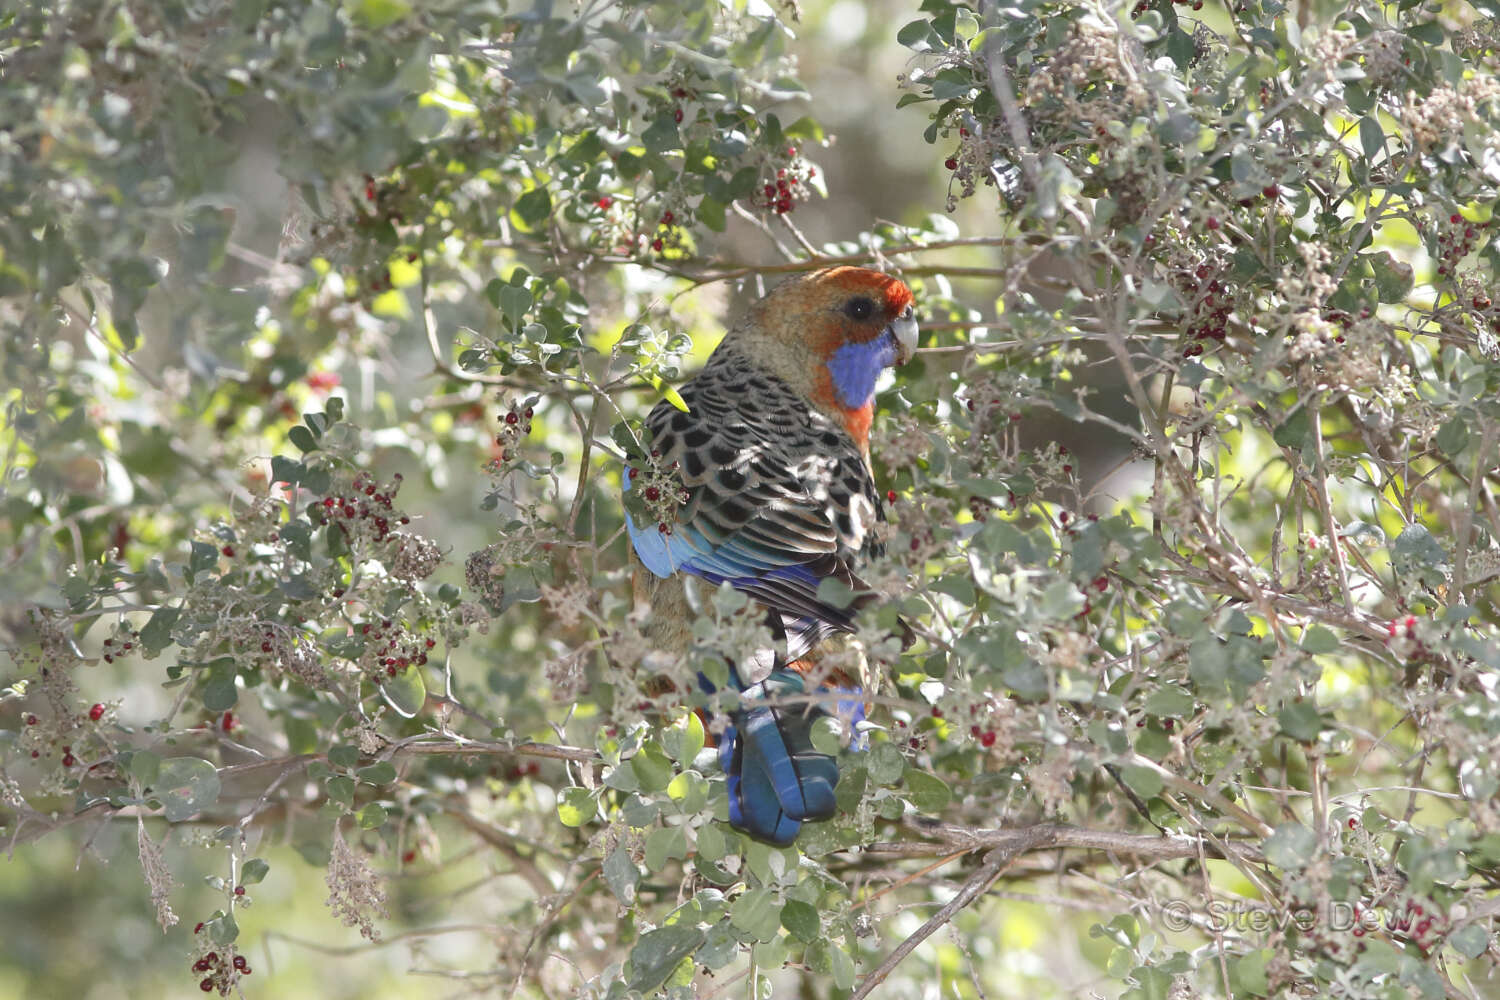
x,y
327,326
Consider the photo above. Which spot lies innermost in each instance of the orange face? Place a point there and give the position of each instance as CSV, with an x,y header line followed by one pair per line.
x,y
850,305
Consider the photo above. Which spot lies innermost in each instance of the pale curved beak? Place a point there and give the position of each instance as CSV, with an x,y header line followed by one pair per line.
x,y
904,329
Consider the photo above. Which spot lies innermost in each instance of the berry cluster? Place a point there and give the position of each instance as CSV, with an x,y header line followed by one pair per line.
x,y
622,228
365,512
1455,238
981,146
661,489
219,972
1208,304
667,233
1423,929
790,185
515,425
389,648
123,640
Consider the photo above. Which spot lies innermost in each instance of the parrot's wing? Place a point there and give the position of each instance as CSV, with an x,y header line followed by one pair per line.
x,y
779,498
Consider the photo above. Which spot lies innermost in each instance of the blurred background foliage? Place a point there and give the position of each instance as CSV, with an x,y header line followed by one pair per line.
x,y
323,326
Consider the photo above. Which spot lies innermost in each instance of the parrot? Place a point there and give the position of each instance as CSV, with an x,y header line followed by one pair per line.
x,y
776,495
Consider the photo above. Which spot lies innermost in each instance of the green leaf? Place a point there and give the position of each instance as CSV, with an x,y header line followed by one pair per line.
x,y
576,806
1318,639
658,953
622,875
1453,436
1144,781
204,557
372,816
186,786
514,303
929,793
340,789
1295,431
157,635
219,692
1470,940
1247,973
382,773
652,768
1415,549
345,755
377,14
683,739
406,693
1371,137
1301,721
302,438
144,767
533,207
222,930
885,764
254,871
801,920
757,913
664,844
1291,846
843,967
1394,278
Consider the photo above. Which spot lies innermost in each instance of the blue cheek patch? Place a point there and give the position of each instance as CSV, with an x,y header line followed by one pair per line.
x,y
855,367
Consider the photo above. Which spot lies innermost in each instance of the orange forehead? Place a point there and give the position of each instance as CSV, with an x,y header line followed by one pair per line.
x,y
835,283
809,308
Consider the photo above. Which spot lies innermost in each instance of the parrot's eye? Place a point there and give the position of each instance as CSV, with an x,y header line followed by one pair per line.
x,y
860,308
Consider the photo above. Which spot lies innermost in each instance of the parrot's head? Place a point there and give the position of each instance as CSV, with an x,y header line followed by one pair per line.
x,y
829,334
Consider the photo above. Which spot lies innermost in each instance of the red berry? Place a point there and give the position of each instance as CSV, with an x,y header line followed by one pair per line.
x,y
206,986
890,496
96,712
656,245
937,713
265,647
69,760
239,890
31,720
1454,218
199,928
1212,223
987,739
227,722
677,116
605,202
511,418
951,163
1353,822
239,962
653,494
667,219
